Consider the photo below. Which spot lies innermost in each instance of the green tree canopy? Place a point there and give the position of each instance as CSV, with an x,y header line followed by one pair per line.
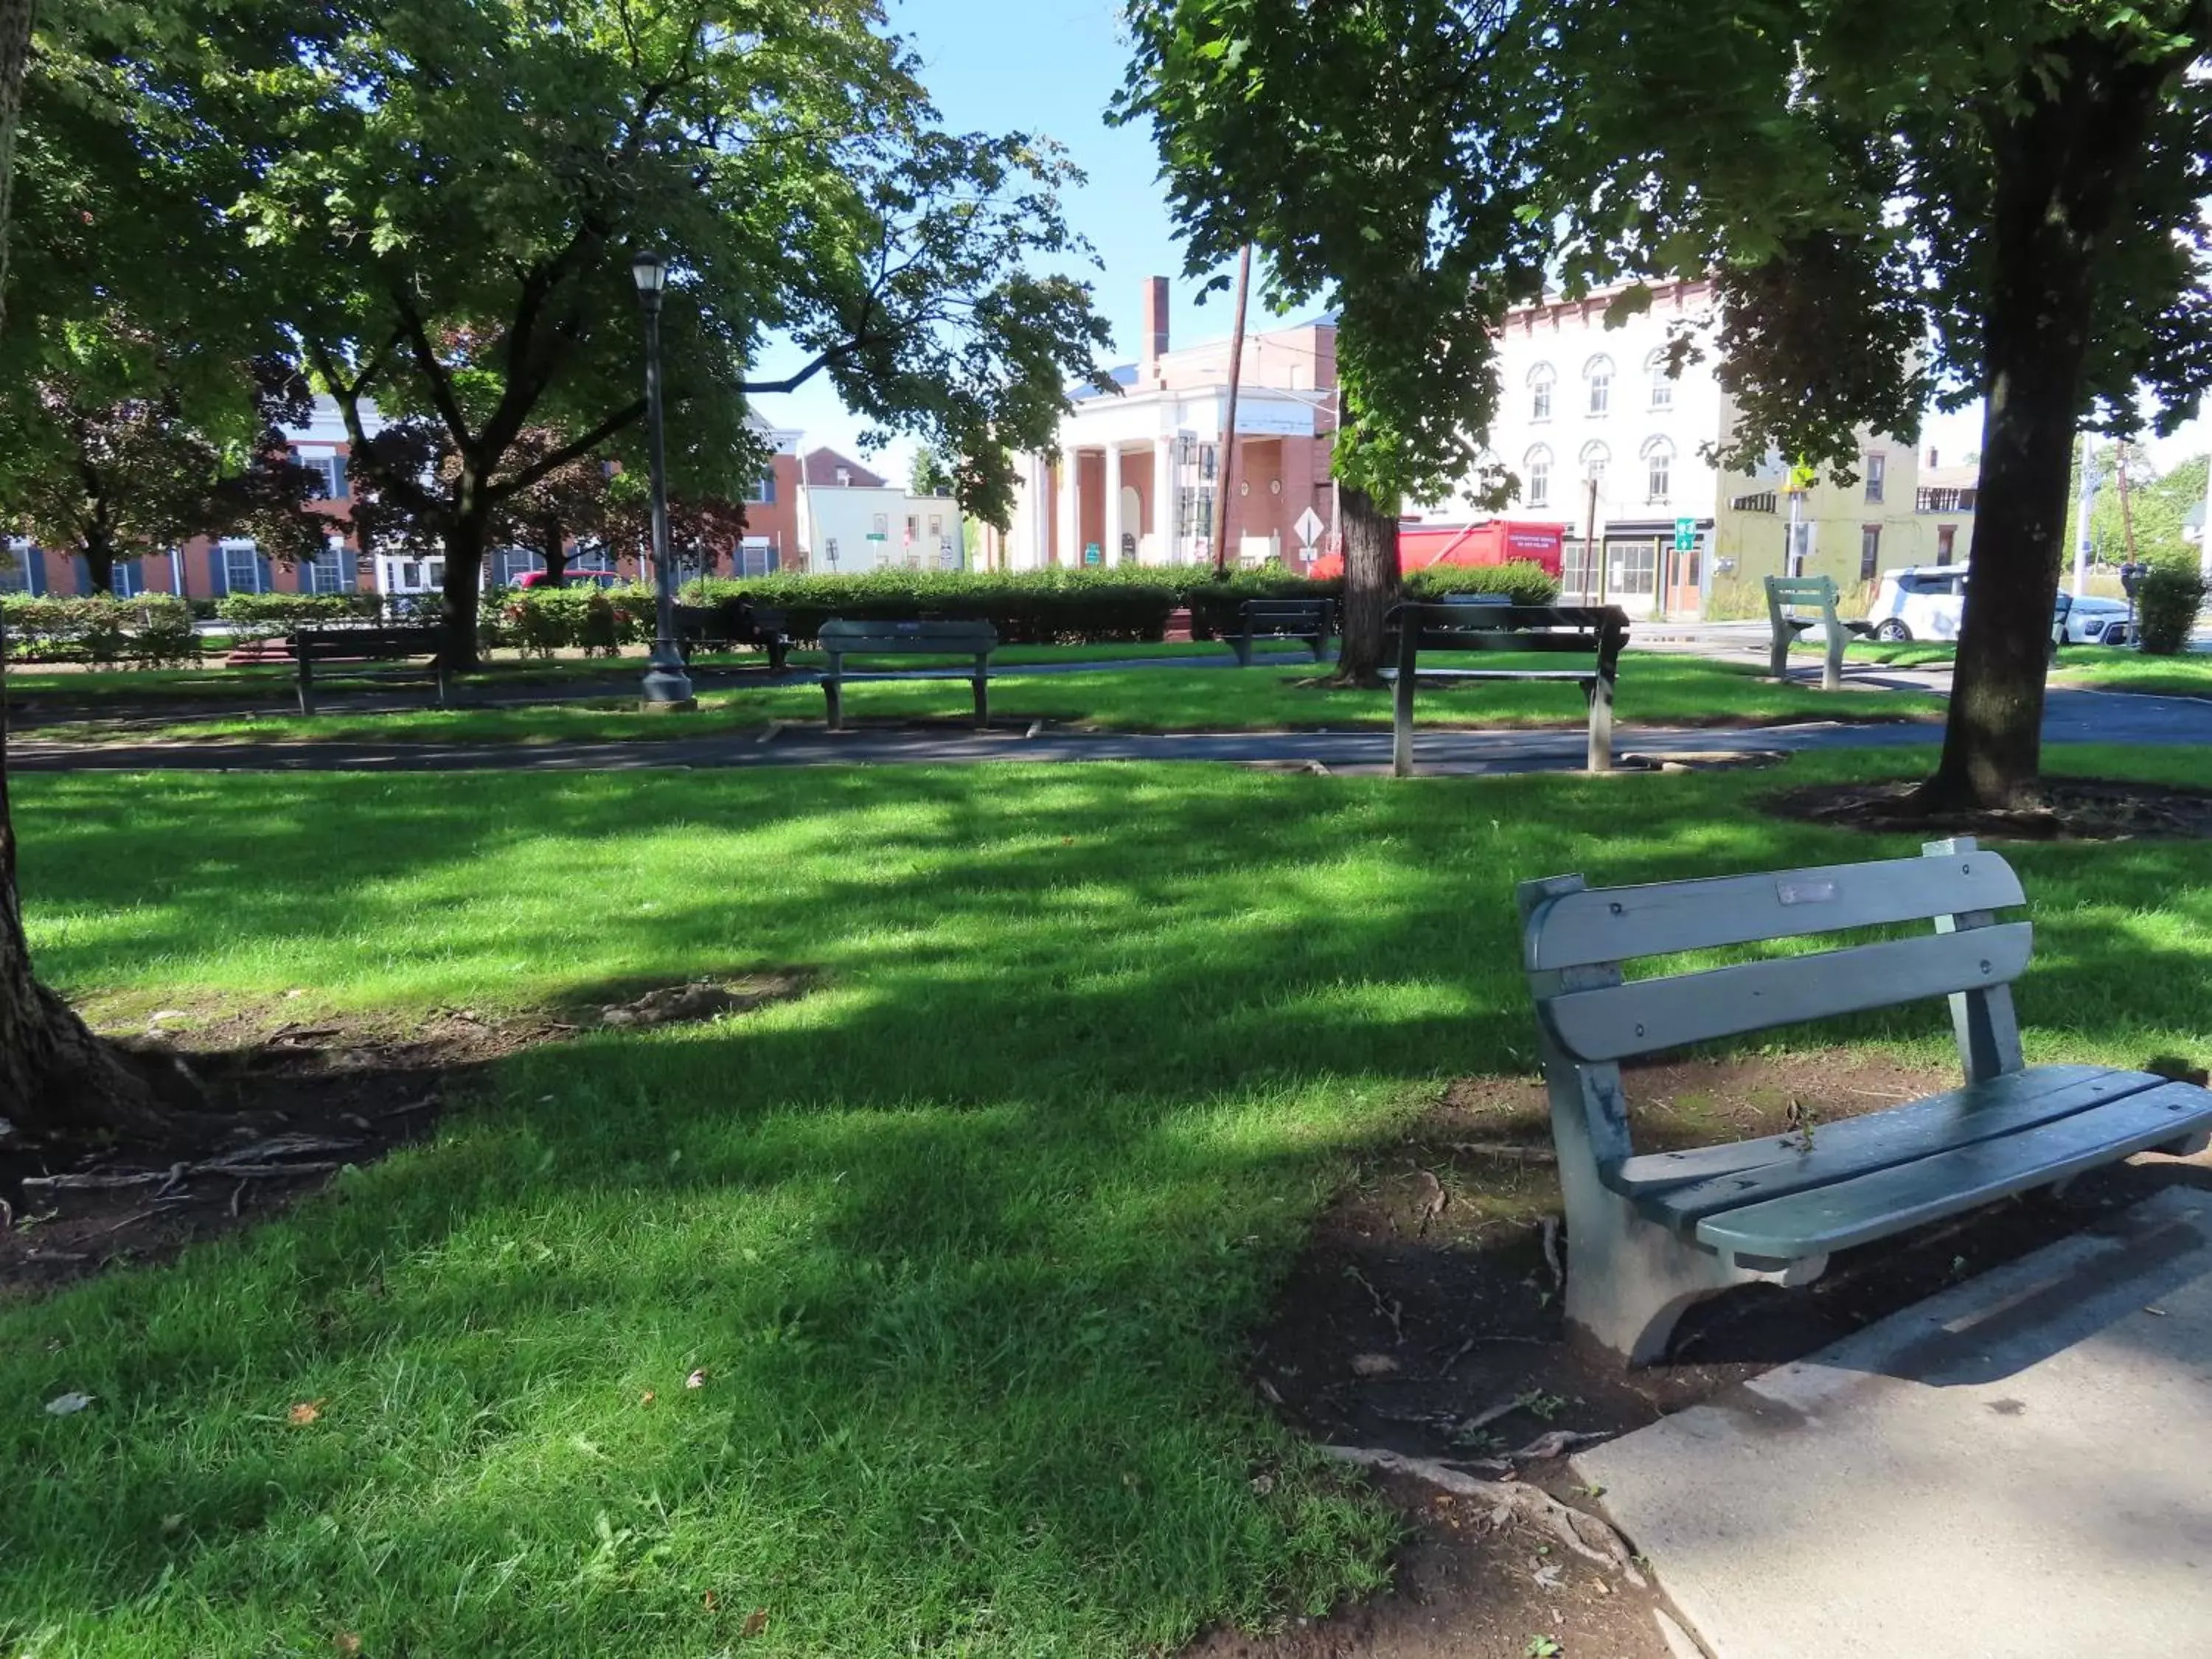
x,y
462,184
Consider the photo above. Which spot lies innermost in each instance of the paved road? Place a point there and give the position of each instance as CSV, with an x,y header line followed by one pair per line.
x,y
2074,717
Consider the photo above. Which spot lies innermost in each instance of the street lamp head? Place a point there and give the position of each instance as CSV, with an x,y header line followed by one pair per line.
x,y
650,272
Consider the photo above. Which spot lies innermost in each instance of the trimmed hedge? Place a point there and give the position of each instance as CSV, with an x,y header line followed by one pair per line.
x,y
2166,607
258,615
1049,607
154,631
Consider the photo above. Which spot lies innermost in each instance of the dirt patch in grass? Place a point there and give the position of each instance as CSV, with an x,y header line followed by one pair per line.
x,y
1424,1317
288,1104
2073,808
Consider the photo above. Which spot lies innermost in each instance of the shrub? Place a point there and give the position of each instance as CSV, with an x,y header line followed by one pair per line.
x,y
539,621
2167,606
258,615
1044,607
153,631
1522,582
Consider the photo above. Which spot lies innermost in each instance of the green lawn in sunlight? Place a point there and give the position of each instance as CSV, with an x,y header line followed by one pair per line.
x,y
967,1241
1654,690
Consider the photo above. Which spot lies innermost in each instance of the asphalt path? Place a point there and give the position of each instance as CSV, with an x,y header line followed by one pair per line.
x,y
2072,717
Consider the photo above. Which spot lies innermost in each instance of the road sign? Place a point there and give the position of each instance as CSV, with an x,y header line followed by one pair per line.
x,y
1685,535
1309,527
1092,555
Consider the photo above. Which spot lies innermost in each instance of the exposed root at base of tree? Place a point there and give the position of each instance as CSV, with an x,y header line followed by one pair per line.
x,y
1505,1500
2062,809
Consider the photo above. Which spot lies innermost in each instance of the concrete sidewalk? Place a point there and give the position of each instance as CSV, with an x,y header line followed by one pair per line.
x,y
2019,1468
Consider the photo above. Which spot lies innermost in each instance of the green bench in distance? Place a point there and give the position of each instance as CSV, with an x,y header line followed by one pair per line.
x,y
1784,593
1477,623
1313,621
840,639
1650,1235
349,647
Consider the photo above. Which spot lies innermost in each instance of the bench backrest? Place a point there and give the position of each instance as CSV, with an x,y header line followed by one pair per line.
x,y
920,639
1476,598
1577,941
1288,612
1820,591
1595,630
381,644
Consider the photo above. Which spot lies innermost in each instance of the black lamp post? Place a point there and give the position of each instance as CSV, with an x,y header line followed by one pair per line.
x,y
666,685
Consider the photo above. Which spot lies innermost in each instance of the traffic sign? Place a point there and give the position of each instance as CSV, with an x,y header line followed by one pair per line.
x,y
1309,527
1685,535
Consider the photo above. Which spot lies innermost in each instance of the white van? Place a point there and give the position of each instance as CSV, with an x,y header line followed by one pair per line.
x,y
1929,602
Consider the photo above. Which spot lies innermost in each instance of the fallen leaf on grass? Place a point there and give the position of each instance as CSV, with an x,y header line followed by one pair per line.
x,y
756,1622
346,1643
697,1380
647,1398
707,1602
307,1411
1373,1365
68,1405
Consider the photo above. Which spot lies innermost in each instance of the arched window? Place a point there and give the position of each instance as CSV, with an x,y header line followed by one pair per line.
x,y
1540,379
1595,459
1536,477
1662,383
1597,377
1659,467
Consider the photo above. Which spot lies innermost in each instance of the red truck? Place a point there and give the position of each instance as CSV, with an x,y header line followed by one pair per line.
x,y
1498,541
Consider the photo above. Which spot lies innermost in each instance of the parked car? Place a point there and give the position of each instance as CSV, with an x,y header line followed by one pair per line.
x,y
1921,602
1928,602
576,578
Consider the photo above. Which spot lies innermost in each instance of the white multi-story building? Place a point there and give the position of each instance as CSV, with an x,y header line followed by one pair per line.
x,y
851,520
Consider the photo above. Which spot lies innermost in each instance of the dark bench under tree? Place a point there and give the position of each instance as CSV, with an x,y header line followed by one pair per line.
x,y
1650,1234
1479,623
357,652
740,623
840,639
1312,622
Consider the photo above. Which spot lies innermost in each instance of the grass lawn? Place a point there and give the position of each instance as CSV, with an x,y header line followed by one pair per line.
x,y
966,1240
1655,689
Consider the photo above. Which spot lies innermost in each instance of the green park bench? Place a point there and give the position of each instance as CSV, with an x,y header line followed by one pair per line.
x,y
350,648
1480,623
1313,621
1783,595
1651,1234
738,622
840,639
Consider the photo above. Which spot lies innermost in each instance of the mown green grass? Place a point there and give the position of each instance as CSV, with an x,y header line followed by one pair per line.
x,y
2186,675
967,1241
1655,690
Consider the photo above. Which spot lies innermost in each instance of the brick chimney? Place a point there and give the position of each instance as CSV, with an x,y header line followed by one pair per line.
x,y
1155,328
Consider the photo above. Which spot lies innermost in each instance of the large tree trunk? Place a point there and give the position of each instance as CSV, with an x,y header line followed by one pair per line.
x,y
98,554
2061,166
54,1074
466,540
553,547
1371,583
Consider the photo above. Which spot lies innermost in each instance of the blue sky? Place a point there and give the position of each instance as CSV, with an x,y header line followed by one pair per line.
x,y
1050,67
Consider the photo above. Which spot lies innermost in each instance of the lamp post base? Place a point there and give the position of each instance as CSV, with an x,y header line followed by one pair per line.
x,y
667,688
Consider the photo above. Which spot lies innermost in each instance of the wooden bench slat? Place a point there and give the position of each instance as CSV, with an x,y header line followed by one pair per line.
x,y
1471,638
1647,1016
1887,1201
1856,1146
1580,675
1648,1173
1618,924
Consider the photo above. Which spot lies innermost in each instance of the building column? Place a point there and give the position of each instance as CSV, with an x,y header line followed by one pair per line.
x,y
1067,547
1111,553
1037,529
1164,499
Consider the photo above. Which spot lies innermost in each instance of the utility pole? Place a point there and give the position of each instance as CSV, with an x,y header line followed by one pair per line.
x,y
2127,513
1227,473
2083,543
1590,549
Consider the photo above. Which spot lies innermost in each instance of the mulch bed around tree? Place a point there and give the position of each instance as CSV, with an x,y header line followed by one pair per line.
x,y
2073,808
1423,1318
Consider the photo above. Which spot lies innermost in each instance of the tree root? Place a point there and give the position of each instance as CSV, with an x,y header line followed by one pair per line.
x,y
1585,1535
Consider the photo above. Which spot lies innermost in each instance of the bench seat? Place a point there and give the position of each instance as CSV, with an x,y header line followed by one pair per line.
x,y
1865,1178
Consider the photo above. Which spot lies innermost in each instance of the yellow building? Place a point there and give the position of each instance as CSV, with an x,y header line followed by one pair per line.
x,y
1778,521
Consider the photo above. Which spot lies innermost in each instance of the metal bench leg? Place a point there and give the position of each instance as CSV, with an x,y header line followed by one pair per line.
x,y
1777,662
445,686
307,685
983,697
1242,645
1832,671
1401,725
1599,692
835,694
